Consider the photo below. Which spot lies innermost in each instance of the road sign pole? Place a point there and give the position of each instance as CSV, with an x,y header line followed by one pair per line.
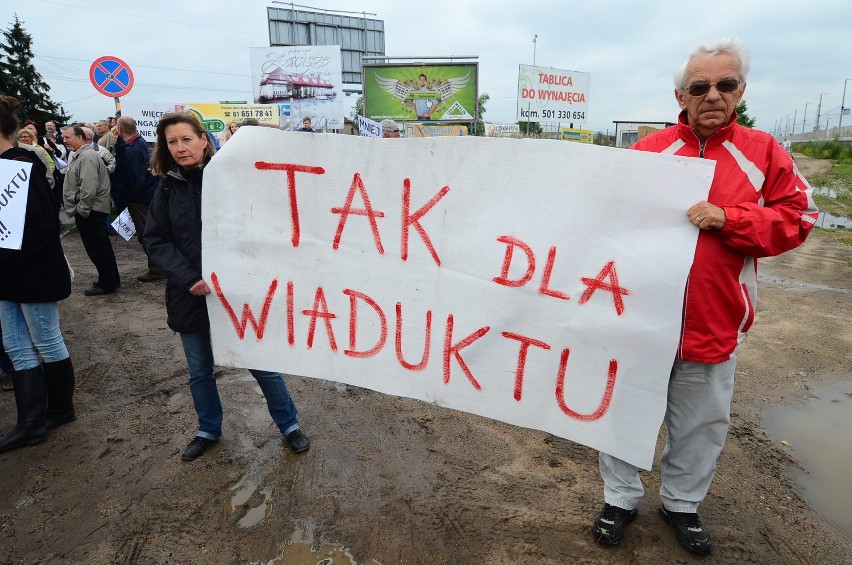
x,y
117,107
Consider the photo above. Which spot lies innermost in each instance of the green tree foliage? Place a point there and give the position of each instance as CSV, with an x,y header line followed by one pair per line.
x,y
19,78
601,138
358,110
530,128
478,127
742,115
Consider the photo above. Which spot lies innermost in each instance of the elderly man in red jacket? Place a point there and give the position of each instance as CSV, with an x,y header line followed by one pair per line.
x,y
758,206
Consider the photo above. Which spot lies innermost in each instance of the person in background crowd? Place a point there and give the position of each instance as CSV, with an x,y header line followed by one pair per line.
x,y
58,153
26,140
133,184
758,206
105,137
53,134
106,156
229,131
87,200
34,278
46,142
306,125
390,128
173,237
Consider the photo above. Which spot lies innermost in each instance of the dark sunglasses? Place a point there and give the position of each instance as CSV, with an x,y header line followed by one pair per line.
x,y
726,85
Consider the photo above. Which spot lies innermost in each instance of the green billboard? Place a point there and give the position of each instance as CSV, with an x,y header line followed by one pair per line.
x,y
445,92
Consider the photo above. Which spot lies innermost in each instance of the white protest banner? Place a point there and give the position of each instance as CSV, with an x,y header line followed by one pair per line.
x,y
532,282
14,193
552,95
147,116
124,226
368,127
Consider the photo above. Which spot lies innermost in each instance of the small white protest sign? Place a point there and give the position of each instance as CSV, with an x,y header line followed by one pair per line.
x,y
124,226
533,282
14,193
368,127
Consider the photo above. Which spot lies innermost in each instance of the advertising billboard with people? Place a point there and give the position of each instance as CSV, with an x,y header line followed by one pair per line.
x,y
445,92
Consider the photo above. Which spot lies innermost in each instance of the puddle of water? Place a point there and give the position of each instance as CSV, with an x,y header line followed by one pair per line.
x,y
819,433
826,220
304,554
300,549
244,490
798,285
258,513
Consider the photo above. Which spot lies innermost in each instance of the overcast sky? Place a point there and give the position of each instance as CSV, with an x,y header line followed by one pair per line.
x,y
198,51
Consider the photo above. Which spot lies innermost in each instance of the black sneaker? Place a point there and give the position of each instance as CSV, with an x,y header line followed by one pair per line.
x,y
610,523
691,534
298,441
197,447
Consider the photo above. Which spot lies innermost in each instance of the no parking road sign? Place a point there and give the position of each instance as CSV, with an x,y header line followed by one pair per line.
x,y
111,76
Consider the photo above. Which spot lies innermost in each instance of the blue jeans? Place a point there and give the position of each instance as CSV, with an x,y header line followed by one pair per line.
x,y
205,395
31,333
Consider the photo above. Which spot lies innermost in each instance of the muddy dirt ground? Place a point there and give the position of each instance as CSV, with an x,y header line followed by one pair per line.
x,y
397,481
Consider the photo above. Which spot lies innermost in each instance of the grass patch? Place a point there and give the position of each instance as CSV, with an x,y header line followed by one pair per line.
x,y
825,150
840,174
840,206
842,235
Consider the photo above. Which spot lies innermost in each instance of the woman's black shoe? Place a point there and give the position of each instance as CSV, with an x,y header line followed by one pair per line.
x,y
298,441
197,447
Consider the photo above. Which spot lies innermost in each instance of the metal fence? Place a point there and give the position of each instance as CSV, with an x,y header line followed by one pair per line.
x,y
843,134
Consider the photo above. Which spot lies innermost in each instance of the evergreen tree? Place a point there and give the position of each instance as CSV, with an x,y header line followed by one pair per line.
x,y
19,78
742,115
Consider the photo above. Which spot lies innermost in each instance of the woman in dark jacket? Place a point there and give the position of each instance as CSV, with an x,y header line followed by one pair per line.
x,y
173,236
34,278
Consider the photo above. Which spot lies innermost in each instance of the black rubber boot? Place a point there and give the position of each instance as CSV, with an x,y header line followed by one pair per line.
x,y
59,377
31,400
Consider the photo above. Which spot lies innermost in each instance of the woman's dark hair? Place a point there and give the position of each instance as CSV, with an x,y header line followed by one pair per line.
x,y
161,158
8,118
34,124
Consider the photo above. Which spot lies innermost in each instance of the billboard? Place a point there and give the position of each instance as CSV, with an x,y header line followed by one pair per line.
x,y
502,130
358,37
305,82
578,135
444,92
214,117
552,95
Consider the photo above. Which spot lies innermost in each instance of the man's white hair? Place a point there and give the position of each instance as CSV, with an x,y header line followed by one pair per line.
x,y
729,45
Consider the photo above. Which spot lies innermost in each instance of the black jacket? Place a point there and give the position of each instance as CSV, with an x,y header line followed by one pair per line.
x,y
38,271
173,238
132,182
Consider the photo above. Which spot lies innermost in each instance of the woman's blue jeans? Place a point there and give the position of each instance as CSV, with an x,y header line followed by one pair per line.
x,y
31,333
205,395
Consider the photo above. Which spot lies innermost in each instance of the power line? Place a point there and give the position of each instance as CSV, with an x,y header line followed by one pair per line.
x,y
138,17
174,86
153,67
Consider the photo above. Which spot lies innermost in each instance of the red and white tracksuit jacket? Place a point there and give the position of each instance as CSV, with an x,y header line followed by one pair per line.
x,y
769,209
